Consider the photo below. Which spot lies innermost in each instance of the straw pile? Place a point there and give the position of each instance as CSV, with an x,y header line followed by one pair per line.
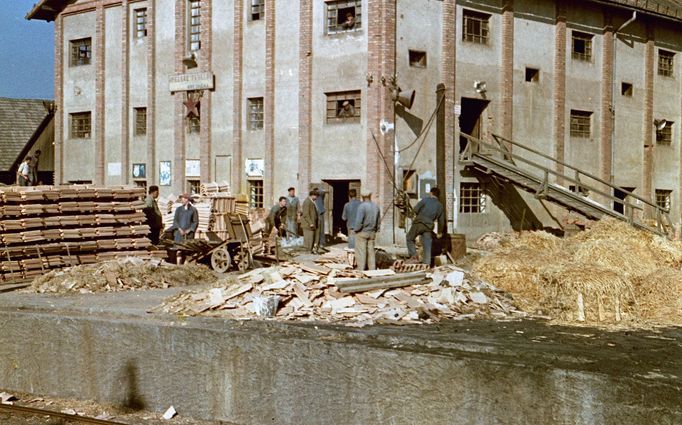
x,y
611,273
124,274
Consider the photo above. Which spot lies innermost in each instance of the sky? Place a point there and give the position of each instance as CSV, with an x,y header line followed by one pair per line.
x,y
26,53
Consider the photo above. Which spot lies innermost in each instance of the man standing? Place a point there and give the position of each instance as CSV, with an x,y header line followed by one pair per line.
x,y
319,203
348,215
276,216
25,172
153,213
367,220
185,221
428,211
293,205
36,159
309,221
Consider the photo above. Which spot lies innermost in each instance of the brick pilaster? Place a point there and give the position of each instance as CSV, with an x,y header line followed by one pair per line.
x,y
99,96
385,200
237,96
606,126
180,148
59,100
507,72
206,65
151,92
125,95
559,89
648,129
269,103
305,69
448,72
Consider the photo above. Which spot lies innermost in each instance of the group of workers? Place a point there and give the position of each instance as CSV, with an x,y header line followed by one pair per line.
x,y
27,173
185,220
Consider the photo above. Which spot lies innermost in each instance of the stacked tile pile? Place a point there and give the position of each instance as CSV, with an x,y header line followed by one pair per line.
x,y
49,227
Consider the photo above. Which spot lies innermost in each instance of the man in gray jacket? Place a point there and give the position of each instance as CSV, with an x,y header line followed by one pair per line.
x,y
366,226
428,211
185,221
348,215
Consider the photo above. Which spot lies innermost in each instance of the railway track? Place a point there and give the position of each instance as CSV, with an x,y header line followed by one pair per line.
x,y
24,410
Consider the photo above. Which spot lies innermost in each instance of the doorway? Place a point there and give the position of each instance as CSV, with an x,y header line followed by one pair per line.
x,y
337,198
621,194
470,120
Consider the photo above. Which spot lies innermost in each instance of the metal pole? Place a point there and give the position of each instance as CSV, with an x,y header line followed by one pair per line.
x,y
440,149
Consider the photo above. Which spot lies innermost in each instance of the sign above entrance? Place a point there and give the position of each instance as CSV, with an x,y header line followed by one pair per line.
x,y
193,81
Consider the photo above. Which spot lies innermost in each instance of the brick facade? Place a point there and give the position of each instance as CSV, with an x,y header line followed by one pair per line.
x,y
100,96
648,115
605,129
448,71
305,69
125,95
59,99
238,96
559,90
180,148
151,93
269,102
206,65
507,72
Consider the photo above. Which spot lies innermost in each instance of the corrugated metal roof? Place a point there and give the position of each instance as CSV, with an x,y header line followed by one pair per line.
x,y
19,120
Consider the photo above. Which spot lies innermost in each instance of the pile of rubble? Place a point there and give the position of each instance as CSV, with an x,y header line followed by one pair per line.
x,y
321,293
123,274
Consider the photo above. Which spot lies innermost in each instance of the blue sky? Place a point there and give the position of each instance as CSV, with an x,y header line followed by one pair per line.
x,y
26,53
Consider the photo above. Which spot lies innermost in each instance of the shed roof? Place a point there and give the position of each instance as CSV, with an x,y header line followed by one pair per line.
x,y
19,121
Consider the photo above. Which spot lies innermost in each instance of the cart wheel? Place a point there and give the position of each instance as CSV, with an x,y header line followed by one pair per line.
x,y
242,260
220,260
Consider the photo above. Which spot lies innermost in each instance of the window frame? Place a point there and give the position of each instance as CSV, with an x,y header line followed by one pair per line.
x,y
332,10
577,124
84,130
140,15
475,27
334,99
417,58
193,25
472,198
140,121
255,116
664,137
193,186
663,198
259,7
666,63
76,58
256,198
587,38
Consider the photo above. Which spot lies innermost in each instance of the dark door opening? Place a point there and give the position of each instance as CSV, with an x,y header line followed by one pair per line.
x,y
470,119
619,207
337,198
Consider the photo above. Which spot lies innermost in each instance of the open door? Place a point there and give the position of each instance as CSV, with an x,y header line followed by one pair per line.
x,y
470,121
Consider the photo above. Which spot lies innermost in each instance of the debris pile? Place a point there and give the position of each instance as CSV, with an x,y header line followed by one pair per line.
x,y
321,293
123,274
611,273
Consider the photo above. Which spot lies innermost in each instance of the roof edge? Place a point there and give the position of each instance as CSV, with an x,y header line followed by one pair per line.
x,y
46,10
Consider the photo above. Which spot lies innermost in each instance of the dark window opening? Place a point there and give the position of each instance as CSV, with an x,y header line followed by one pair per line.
x,y
343,16
417,58
343,106
626,89
664,133
581,123
257,10
256,193
81,52
665,63
582,46
532,75
476,27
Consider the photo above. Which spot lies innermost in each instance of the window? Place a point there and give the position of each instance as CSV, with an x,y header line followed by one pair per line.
x,y
256,193
194,187
579,189
140,23
582,46
194,25
581,124
343,16
665,63
255,121
417,58
193,125
343,106
663,198
81,52
532,75
664,133
472,199
475,28
140,121
626,89
80,125
257,10
140,183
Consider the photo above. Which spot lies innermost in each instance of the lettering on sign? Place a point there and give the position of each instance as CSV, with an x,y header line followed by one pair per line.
x,y
189,82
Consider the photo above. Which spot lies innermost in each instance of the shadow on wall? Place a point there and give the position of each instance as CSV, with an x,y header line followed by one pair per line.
x,y
128,383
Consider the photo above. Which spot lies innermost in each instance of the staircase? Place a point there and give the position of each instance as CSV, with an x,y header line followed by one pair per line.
x,y
520,167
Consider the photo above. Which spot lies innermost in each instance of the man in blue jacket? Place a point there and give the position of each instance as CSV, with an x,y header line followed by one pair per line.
x,y
367,221
348,215
428,211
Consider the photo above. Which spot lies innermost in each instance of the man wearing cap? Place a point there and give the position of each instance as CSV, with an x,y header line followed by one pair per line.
x,y
348,215
185,221
346,111
293,205
367,221
153,213
275,217
309,221
428,211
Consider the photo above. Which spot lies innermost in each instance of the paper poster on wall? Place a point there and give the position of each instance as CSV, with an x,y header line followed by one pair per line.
x,y
255,167
192,168
139,171
165,173
114,169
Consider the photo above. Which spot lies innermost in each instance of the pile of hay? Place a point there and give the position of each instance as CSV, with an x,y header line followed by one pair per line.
x,y
611,273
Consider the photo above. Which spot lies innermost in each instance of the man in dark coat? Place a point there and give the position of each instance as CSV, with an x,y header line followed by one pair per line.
x,y
309,222
185,221
153,213
428,211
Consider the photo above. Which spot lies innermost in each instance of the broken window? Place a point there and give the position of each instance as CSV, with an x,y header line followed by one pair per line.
x,y
343,106
664,134
472,198
255,121
665,63
80,125
626,89
256,193
417,58
194,25
81,52
581,123
476,27
582,46
140,121
343,16
257,10
532,75
140,23
663,198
